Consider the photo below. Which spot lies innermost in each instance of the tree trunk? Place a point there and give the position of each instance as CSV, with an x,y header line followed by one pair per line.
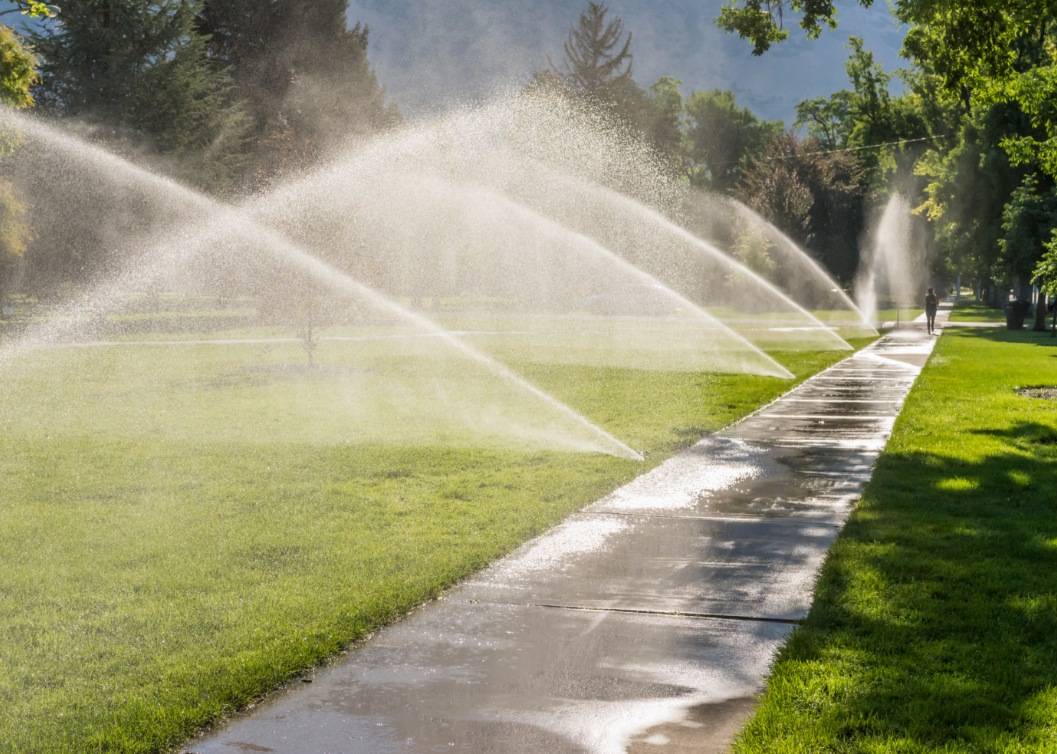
x,y
1040,313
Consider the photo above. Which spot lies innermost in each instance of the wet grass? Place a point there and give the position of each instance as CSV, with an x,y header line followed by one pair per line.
x,y
934,626
156,578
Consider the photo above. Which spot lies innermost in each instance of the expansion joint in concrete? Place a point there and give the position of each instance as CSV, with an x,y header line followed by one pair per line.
x,y
725,519
640,611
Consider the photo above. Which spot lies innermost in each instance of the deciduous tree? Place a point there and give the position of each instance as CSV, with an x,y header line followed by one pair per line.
x,y
810,195
723,138
18,70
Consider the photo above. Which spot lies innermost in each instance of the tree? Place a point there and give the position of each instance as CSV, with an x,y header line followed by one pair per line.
x,y
868,119
18,70
1028,220
18,74
723,138
597,69
304,76
665,127
138,71
965,42
593,65
1046,276
752,248
982,51
813,196
828,120
775,186
967,187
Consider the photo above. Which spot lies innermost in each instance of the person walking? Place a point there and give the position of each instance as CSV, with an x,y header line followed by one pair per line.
x,y
931,304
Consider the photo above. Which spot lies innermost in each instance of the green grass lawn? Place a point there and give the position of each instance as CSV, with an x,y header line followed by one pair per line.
x,y
183,527
900,315
976,311
934,625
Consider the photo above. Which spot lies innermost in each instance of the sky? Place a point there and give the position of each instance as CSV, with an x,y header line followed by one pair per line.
x,y
431,53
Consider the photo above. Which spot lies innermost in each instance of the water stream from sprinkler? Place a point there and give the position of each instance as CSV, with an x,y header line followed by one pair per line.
x,y
775,234
666,226
270,206
227,218
887,264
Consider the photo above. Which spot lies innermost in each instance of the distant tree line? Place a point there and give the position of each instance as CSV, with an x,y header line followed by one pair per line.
x,y
977,127
235,92
224,95
808,187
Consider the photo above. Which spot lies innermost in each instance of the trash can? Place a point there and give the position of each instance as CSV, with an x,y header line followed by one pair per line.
x,y
1016,311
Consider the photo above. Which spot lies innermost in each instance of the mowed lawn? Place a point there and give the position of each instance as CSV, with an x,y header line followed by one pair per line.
x,y
968,310
175,543
934,626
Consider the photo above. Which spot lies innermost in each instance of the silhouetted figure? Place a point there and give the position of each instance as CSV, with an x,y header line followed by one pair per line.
x,y
931,304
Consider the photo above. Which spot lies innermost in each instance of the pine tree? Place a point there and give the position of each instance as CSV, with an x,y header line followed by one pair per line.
x,y
592,63
598,69
138,70
303,73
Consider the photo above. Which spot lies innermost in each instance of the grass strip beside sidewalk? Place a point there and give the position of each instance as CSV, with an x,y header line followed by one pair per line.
x,y
977,311
934,626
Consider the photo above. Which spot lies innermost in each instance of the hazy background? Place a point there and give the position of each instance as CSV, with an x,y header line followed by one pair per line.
x,y
432,53
429,53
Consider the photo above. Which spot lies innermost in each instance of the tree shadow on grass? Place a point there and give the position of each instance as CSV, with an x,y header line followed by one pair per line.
x,y
935,617
1023,434
999,334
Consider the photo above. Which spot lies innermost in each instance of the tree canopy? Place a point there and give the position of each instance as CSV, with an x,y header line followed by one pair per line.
x,y
302,74
18,70
974,138
137,70
723,138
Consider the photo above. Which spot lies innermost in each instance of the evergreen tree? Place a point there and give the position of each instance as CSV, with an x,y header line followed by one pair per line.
x,y
303,74
593,64
138,70
598,69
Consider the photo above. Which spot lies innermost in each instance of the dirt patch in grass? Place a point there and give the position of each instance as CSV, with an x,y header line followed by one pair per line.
x,y
1048,393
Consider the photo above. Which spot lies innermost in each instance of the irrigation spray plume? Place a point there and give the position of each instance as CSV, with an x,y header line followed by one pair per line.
x,y
801,276
540,153
889,266
227,221
657,237
475,239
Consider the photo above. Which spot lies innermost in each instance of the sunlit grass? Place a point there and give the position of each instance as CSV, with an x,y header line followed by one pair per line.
x,y
182,528
976,311
934,626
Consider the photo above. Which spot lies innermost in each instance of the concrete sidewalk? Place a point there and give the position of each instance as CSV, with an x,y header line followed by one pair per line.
x,y
644,623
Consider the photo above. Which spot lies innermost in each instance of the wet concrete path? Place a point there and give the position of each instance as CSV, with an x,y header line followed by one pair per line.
x,y
644,623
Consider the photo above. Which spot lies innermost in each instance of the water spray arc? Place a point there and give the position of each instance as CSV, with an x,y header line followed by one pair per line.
x,y
624,206
887,265
233,221
295,207
803,259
